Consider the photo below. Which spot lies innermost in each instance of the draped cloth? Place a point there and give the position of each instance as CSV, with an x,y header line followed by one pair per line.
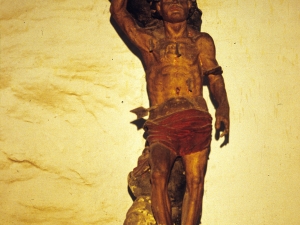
x,y
183,132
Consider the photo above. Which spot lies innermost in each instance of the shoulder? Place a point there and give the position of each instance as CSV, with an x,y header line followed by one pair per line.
x,y
200,38
205,43
204,38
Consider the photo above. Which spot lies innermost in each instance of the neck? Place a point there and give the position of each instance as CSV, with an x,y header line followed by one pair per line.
x,y
176,30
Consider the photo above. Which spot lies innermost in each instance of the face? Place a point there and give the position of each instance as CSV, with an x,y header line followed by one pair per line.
x,y
174,10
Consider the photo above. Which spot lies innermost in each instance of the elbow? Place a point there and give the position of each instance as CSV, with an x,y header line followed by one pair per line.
x,y
116,13
117,8
112,10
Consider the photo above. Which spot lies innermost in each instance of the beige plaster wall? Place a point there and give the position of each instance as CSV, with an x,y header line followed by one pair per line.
x,y
68,82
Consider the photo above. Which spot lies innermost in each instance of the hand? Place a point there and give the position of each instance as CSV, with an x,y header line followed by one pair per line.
x,y
222,122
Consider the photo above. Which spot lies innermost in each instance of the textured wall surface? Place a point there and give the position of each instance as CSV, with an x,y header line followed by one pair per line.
x,y
68,82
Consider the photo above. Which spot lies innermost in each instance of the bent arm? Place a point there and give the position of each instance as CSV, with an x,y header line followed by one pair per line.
x,y
216,81
217,88
119,12
136,34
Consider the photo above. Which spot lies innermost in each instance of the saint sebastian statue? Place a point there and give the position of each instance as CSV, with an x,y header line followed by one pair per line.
x,y
177,61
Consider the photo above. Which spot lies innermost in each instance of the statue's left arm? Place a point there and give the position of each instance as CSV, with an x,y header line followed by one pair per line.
x,y
213,71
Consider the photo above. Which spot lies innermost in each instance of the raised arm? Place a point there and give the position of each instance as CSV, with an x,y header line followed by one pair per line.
x,y
136,34
216,81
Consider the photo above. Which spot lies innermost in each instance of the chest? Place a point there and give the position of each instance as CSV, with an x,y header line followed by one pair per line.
x,y
184,50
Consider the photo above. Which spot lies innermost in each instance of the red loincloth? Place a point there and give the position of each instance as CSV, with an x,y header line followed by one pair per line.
x,y
183,132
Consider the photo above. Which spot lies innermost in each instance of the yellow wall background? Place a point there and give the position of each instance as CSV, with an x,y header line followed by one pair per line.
x,y
68,82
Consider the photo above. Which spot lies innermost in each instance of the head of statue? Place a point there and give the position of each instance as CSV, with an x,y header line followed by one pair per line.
x,y
149,16
172,10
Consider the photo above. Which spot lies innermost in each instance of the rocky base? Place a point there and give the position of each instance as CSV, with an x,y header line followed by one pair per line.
x,y
140,212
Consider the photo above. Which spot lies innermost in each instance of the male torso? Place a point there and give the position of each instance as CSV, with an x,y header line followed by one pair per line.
x,y
173,68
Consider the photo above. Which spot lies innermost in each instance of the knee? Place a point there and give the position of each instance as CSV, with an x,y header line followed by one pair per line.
x,y
195,182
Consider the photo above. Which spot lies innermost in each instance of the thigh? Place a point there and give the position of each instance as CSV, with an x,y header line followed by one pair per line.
x,y
161,157
195,164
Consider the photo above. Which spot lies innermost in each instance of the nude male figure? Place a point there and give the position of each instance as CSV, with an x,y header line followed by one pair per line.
x,y
176,59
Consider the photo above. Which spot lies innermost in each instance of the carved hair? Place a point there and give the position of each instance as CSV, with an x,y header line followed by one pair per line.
x,y
146,15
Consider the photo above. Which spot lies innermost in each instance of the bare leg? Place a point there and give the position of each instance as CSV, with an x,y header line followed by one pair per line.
x,y
161,162
195,169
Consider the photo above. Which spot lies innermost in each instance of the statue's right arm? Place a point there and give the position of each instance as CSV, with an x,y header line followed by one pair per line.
x,y
127,23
